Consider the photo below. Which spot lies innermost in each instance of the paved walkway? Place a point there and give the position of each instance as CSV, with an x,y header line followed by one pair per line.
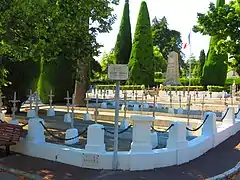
x,y
216,161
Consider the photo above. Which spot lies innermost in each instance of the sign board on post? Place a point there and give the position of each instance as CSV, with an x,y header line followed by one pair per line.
x,y
118,72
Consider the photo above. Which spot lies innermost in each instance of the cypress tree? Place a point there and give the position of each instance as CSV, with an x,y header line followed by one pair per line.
x,y
215,67
202,58
123,45
141,63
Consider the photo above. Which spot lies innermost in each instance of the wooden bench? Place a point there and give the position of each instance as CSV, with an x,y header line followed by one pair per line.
x,y
9,135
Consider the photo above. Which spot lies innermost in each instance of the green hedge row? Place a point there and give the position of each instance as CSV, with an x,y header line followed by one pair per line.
x,y
182,88
124,87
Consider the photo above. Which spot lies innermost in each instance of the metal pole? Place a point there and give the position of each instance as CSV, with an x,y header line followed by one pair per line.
x,y
125,105
115,153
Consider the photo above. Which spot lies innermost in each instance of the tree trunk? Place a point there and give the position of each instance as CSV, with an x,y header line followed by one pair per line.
x,y
81,85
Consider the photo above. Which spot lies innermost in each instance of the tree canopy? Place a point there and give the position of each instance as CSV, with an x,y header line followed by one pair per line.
x,y
166,39
223,21
43,29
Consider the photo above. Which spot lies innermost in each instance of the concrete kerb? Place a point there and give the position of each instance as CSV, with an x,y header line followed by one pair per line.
x,y
20,173
227,174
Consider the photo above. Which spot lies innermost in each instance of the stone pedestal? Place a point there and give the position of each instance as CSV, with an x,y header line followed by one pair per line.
x,y
31,113
124,124
136,107
230,117
141,137
2,116
95,139
209,127
154,139
177,136
104,105
171,110
50,112
35,131
14,121
87,117
71,133
67,118
180,110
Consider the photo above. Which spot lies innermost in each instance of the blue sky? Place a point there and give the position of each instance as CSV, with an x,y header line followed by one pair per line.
x,y
181,16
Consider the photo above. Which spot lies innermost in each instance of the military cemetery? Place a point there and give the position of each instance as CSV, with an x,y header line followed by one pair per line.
x,y
147,105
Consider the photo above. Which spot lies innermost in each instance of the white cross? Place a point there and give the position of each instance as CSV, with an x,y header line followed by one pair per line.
x,y
30,101
96,109
36,104
14,101
180,99
50,98
68,101
1,103
87,99
203,105
73,105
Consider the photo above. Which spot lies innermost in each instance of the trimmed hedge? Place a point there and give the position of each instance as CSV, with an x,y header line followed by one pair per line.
x,y
181,88
216,88
56,76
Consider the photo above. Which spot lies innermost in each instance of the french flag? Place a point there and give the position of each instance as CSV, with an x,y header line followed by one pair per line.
x,y
189,41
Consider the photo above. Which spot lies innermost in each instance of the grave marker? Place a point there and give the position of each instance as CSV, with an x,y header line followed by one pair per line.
x,y
73,106
30,100
180,100
96,109
51,98
188,108
202,106
68,98
170,98
36,104
87,101
14,108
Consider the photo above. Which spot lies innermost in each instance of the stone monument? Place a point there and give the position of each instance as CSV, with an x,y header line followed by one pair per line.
x,y
172,75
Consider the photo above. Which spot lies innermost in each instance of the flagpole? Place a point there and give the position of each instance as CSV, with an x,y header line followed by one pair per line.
x,y
190,62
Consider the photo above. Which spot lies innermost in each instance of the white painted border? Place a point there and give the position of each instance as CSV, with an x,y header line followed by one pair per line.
x,y
128,160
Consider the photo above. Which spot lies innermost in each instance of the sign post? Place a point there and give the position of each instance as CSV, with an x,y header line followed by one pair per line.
x,y
117,72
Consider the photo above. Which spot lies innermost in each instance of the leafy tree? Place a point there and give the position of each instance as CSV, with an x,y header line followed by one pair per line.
x,y
166,39
160,64
223,21
202,58
141,64
215,67
42,30
105,61
123,45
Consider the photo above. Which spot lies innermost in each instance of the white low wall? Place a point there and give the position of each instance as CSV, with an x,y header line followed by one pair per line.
x,y
128,160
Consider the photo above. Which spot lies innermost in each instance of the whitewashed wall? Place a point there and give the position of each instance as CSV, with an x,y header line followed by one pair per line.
x,y
133,160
